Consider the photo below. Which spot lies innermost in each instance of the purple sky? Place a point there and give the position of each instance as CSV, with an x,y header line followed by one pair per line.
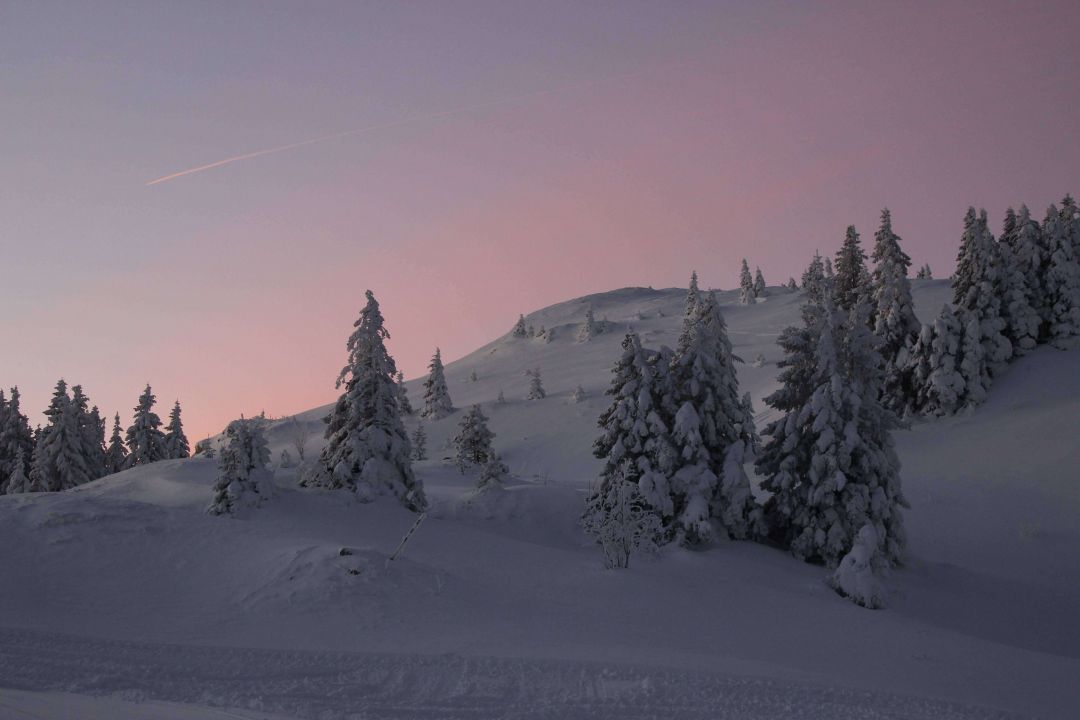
x,y
596,145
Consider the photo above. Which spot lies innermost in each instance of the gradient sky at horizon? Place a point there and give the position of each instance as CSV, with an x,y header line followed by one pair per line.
x,y
598,145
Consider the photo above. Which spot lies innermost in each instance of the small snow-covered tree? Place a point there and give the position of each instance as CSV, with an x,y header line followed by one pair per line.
x,y
578,394
1062,280
145,440
536,385
830,274
285,459
501,399
176,442
759,283
92,431
618,516
588,328
473,377
972,359
693,295
520,330
299,433
937,365
404,405
895,324
243,458
16,439
419,443
17,481
858,577
493,473
367,449
791,284
1029,256
205,448
437,403
59,461
746,285
472,444
116,454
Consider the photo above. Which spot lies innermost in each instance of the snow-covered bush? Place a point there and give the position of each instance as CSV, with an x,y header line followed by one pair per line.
x,y
857,576
241,466
622,523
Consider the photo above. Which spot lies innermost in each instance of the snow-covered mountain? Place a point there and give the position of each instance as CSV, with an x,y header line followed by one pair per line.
x,y
125,588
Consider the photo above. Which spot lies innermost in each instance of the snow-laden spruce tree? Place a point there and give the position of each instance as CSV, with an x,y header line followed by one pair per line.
x,y
536,385
437,403
520,330
850,282
746,285
116,453
176,442
829,272
1028,251
241,463
895,324
91,430
419,443
936,365
977,288
578,395
17,481
708,419
404,405
791,284
1070,219
1017,298
835,469
16,439
813,279
59,461
1061,280
145,440
635,438
472,444
759,283
693,295
367,449
972,359
588,328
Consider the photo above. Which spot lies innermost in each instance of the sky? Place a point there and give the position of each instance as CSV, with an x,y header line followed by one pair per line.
x,y
507,156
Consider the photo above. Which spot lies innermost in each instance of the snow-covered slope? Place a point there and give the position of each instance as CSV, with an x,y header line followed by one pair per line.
x,y
125,588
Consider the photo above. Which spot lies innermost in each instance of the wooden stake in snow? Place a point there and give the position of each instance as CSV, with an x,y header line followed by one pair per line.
x,y
401,545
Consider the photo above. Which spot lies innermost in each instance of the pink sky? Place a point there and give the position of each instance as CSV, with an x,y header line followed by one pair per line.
x,y
676,136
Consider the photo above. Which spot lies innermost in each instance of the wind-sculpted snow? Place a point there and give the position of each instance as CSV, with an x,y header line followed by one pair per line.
x,y
333,686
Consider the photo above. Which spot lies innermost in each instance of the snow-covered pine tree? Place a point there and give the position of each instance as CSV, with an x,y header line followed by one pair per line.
x,y
1070,220
759,283
59,458
813,279
895,324
437,403
15,437
972,359
176,442
473,377
472,444
367,449
829,272
144,439
693,295
851,272
635,445
843,472
977,288
285,460
936,366
746,285
242,461
419,443
501,399
404,405
791,284
17,481
493,473
536,385
707,421
1029,255
588,328
578,394
520,330
1017,302
116,453
1062,280
92,432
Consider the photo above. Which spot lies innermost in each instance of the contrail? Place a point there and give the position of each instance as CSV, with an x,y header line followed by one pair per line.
x,y
402,121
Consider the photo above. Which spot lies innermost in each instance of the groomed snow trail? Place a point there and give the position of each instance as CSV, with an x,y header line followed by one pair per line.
x,y
332,686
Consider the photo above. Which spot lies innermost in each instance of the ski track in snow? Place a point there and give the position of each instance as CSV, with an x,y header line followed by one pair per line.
x,y
329,686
